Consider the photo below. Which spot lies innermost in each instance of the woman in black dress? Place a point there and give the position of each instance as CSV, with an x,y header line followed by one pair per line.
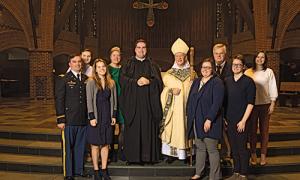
x,y
102,109
239,101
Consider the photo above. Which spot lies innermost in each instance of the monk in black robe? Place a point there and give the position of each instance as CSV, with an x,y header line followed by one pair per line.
x,y
141,86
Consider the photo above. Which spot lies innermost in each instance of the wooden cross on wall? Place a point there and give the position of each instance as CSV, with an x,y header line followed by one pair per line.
x,y
150,6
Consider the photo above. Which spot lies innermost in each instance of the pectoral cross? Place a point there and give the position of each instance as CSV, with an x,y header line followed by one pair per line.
x,y
150,6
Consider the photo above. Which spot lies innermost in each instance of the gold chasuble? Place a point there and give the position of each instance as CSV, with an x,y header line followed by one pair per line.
x,y
173,126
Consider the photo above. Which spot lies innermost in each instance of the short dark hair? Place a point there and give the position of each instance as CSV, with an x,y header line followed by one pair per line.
x,y
264,64
239,57
88,50
71,56
140,40
211,61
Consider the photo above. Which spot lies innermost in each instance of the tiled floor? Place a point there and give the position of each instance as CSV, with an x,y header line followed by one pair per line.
x,y
27,115
39,116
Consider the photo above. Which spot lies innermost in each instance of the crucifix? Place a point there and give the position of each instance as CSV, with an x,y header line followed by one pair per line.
x,y
150,6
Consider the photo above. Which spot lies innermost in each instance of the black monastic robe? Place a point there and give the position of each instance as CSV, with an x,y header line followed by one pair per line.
x,y
142,110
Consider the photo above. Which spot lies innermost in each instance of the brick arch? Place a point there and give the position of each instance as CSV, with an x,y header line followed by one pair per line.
x,y
18,10
61,53
291,39
11,39
64,47
293,8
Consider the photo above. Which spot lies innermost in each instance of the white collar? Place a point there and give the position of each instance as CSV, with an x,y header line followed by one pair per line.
x,y
186,65
222,65
140,59
75,73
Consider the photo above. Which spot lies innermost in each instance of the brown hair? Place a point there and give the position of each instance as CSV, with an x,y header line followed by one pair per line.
x,y
211,61
239,57
71,56
88,50
109,82
264,64
140,40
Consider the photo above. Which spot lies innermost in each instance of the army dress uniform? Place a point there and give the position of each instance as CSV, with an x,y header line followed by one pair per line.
x,y
71,109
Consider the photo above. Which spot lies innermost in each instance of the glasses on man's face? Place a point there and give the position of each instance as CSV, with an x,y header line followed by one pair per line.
x,y
206,67
237,65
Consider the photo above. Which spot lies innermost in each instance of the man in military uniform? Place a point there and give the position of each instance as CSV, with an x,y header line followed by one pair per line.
x,y
71,111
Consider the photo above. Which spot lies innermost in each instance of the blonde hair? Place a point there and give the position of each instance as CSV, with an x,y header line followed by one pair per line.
x,y
109,82
116,48
218,46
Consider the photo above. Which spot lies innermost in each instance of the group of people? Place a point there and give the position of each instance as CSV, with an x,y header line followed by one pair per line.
x,y
169,114
86,108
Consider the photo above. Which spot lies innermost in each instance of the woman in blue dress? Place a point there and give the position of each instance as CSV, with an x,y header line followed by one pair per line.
x,y
102,110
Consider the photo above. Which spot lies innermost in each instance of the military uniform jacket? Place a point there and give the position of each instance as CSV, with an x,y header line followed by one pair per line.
x,y
70,99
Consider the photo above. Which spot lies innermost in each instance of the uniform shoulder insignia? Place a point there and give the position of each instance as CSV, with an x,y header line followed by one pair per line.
x,y
61,75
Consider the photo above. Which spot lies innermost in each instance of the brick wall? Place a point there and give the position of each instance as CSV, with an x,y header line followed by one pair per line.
x,y
41,62
41,74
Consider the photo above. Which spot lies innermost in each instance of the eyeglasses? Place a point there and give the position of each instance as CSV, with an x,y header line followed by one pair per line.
x,y
217,54
237,65
206,67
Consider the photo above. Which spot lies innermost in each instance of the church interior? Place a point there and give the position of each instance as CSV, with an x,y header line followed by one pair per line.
x,y
37,37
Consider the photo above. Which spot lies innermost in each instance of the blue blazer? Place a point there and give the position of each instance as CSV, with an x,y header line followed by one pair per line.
x,y
205,104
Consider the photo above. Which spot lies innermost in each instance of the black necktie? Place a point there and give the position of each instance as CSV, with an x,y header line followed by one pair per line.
x,y
78,77
218,69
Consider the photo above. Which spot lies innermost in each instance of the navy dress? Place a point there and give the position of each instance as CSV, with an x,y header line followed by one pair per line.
x,y
102,133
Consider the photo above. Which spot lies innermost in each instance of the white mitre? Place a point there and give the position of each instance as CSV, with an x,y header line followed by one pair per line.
x,y
179,46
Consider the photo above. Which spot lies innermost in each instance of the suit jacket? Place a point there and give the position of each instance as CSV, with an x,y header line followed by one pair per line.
x,y
226,71
70,99
205,104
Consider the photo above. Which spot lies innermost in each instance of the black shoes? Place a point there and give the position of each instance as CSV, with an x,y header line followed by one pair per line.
x,y
69,178
105,174
101,174
169,159
83,175
226,163
97,175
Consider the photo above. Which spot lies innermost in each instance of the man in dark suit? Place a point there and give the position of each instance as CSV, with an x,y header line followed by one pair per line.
x,y
223,70
71,111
